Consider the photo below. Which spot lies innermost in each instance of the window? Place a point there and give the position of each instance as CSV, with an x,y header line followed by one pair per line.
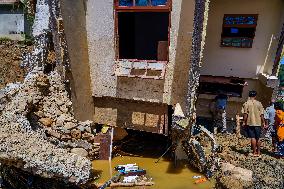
x,y
142,34
139,3
142,37
238,30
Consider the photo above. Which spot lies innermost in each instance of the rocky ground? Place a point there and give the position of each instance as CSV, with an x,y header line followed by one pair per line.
x,y
267,171
10,59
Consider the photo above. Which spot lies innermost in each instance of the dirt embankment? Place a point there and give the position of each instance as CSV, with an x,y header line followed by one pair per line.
x,y
10,59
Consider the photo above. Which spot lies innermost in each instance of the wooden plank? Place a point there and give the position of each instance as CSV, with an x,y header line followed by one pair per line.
x,y
163,51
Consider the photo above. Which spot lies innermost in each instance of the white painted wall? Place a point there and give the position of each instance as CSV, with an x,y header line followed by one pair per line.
x,y
238,62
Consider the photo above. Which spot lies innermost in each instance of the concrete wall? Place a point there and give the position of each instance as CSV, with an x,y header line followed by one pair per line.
x,y
102,56
100,32
242,62
150,117
176,79
74,20
12,22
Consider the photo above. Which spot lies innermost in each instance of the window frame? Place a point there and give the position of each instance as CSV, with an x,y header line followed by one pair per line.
x,y
149,8
118,9
239,26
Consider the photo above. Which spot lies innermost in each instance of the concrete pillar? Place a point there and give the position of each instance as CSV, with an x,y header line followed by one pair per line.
x,y
74,21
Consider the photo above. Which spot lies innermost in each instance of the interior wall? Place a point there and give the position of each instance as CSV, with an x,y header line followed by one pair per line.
x,y
241,62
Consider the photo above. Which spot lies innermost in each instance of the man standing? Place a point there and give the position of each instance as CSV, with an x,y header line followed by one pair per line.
x,y
253,119
269,116
218,109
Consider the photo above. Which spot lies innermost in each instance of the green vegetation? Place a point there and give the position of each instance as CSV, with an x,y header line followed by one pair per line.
x,y
4,39
281,75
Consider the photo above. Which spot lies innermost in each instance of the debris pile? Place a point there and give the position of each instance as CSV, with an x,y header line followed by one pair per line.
x,y
243,171
38,131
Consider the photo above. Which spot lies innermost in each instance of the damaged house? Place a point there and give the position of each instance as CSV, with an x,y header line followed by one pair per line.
x,y
132,60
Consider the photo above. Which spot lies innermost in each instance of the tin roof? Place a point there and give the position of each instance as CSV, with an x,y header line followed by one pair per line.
x,y
8,1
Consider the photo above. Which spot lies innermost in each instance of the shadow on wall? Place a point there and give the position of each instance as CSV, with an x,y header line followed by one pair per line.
x,y
145,116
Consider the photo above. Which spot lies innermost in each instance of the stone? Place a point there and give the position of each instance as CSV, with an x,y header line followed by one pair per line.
x,y
81,128
69,125
75,133
87,136
39,114
237,172
88,129
65,137
80,151
46,121
54,134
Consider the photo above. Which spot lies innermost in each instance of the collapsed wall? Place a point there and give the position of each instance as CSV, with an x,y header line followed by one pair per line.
x,y
38,132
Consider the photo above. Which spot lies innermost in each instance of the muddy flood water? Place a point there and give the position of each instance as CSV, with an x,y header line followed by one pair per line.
x,y
165,174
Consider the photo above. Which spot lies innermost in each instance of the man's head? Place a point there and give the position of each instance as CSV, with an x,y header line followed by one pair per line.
x,y
252,94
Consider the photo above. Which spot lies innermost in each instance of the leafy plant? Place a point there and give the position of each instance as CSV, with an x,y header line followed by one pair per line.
x,y
4,39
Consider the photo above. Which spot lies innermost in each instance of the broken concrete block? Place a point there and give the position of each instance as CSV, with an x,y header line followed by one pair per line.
x,y
65,137
54,133
69,125
46,121
80,151
237,172
87,136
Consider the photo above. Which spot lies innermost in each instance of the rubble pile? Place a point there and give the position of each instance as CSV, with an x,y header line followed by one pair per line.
x,y
35,121
267,171
38,132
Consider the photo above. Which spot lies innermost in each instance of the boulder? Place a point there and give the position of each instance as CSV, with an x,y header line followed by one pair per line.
x,y
80,151
237,172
